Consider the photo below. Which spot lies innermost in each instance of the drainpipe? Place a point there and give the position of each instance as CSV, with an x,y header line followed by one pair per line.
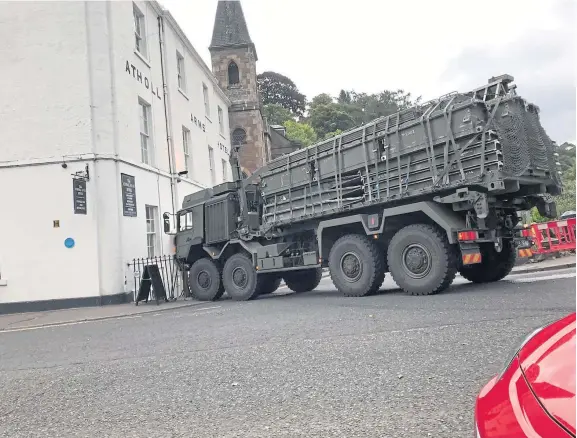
x,y
116,138
168,118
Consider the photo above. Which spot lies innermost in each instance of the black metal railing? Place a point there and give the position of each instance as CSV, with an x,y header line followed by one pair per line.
x,y
170,272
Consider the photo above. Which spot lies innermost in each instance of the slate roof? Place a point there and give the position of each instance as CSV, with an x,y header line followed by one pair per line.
x,y
230,29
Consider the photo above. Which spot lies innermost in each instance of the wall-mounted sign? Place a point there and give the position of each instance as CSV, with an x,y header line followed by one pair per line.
x,y
79,195
223,147
137,74
198,123
128,195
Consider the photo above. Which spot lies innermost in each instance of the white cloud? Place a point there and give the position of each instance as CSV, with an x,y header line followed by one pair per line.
x,y
542,60
426,47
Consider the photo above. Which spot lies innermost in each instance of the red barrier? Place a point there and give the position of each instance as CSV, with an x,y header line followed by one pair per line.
x,y
554,236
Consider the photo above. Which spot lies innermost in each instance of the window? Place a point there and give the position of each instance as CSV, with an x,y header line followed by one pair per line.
x,y
146,147
224,171
185,221
186,148
233,76
139,31
238,136
206,101
220,120
180,71
211,165
151,230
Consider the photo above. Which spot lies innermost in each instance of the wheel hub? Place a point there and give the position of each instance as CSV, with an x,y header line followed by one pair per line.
x,y
351,266
203,279
239,277
417,260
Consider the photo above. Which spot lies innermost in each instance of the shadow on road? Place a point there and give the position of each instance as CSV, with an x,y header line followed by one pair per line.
x,y
324,292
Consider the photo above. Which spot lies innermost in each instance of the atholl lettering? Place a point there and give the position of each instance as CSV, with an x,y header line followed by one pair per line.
x,y
137,74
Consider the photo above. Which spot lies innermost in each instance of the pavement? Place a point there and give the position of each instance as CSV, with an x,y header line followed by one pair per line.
x,y
285,365
547,265
33,320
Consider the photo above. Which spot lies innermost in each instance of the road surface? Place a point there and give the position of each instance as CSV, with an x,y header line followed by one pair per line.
x,y
287,365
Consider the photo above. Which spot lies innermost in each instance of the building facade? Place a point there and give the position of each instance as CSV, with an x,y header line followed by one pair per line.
x,y
108,118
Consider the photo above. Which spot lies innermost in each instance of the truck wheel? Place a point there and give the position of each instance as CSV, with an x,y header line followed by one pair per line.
x,y
494,265
357,266
240,278
421,260
268,283
204,280
303,281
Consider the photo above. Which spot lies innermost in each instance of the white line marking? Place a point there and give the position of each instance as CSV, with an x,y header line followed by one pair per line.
x,y
207,308
535,279
64,324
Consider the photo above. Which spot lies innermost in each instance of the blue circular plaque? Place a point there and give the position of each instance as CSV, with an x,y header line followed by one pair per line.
x,y
69,242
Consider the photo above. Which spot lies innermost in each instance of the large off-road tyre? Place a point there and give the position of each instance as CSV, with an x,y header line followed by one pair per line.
x,y
421,260
268,283
357,266
303,281
240,278
205,280
494,265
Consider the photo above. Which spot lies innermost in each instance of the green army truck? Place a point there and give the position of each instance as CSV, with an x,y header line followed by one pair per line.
x,y
421,194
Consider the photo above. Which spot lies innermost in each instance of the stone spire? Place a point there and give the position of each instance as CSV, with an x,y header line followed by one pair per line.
x,y
230,29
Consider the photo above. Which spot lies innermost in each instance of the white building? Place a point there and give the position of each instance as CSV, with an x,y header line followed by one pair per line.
x,y
114,89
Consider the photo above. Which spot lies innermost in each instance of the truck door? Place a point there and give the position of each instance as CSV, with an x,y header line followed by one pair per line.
x,y
185,234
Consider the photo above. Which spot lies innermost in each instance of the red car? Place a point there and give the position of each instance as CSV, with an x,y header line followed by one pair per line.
x,y
534,395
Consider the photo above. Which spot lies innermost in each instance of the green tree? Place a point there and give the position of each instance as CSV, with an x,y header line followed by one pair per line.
x,y
536,217
354,109
275,88
332,134
364,107
325,118
302,132
344,97
321,99
566,201
566,153
276,114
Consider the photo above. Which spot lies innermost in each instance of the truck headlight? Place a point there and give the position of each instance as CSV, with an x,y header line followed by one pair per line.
x,y
516,350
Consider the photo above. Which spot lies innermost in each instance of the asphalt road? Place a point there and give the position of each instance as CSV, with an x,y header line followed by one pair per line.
x,y
310,365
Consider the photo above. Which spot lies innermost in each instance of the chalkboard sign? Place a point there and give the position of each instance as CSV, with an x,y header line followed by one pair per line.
x,y
79,196
151,277
128,195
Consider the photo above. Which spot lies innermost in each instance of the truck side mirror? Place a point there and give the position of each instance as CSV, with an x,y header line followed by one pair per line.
x,y
166,220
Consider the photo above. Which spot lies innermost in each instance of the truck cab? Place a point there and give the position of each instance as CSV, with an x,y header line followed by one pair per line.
x,y
206,217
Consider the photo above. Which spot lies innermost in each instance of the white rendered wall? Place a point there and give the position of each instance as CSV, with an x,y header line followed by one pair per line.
x,y
75,81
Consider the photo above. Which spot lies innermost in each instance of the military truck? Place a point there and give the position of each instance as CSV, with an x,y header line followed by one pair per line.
x,y
421,194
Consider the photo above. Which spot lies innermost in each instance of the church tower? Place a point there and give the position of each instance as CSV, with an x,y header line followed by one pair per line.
x,y
234,64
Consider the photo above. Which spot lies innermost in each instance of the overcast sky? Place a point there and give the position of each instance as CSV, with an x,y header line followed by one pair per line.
x,y
428,48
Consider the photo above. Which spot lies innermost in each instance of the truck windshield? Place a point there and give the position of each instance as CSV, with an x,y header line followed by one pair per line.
x,y
185,221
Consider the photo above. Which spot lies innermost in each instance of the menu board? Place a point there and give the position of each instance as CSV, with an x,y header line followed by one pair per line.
x,y
79,195
128,195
